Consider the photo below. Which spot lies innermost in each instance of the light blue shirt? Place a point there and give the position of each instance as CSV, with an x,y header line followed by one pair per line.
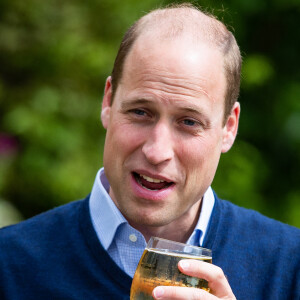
x,y
123,243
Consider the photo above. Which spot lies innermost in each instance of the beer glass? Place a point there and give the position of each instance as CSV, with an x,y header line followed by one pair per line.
x,y
159,266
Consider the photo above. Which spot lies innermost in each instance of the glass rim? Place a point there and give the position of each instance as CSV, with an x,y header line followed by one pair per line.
x,y
177,243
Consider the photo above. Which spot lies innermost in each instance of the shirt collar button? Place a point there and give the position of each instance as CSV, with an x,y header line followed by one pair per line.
x,y
133,238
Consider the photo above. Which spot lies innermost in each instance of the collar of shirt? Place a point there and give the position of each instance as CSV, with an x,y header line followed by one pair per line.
x,y
208,202
118,237
105,215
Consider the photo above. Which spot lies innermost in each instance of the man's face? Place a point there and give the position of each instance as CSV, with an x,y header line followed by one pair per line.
x,y
164,130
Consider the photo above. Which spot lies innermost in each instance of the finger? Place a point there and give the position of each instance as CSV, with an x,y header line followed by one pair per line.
x,y
180,293
217,281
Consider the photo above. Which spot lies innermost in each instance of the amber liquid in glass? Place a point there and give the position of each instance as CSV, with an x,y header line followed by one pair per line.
x,y
161,268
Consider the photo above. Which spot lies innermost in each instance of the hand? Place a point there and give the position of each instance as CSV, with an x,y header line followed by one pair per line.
x,y
217,282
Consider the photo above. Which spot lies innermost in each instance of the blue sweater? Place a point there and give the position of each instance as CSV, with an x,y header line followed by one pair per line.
x,y
57,255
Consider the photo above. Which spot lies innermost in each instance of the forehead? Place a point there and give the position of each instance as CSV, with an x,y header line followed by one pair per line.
x,y
175,66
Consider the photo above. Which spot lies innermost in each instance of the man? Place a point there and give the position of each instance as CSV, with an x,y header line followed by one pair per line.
x,y
170,109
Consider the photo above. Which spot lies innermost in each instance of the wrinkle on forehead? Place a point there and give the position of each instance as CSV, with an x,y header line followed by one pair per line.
x,y
169,84
171,72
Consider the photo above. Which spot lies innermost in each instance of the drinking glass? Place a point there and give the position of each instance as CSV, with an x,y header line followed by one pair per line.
x,y
159,266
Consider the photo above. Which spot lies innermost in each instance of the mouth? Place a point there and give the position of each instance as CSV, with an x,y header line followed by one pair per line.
x,y
152,184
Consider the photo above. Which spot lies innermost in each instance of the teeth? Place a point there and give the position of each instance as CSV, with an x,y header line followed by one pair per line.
x,y
151,179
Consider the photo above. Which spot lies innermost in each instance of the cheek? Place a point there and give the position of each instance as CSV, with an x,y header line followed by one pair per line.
x,y
200,157
122,138
194,151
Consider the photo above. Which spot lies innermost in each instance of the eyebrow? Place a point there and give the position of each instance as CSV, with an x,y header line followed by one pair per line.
x,y
127,104
190,109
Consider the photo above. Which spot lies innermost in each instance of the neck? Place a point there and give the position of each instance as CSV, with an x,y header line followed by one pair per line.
x,y
178,230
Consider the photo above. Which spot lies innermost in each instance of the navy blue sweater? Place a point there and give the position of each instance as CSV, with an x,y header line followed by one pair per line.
x,y
57,255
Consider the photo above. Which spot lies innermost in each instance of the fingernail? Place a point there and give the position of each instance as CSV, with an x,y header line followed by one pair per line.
x,y
158,292
184,264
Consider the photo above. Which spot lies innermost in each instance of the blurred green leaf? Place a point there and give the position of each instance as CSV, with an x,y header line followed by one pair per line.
x,y
241,175
8,214
257,70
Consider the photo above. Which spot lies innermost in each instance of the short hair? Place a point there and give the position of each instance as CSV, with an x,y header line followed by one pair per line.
x,y
177,19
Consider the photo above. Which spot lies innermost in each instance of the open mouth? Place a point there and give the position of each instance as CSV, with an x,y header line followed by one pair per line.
x,y
151,184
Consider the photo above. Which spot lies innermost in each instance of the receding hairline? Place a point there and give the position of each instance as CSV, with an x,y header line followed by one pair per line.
x,y
174,21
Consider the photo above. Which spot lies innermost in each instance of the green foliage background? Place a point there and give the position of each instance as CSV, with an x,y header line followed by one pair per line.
x,y
54,58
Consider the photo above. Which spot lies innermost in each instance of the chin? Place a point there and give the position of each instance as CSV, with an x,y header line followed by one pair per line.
x,y
146,220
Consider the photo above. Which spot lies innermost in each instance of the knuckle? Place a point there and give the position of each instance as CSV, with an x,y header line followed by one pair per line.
x,y
219,273
197,294
184,293
172,292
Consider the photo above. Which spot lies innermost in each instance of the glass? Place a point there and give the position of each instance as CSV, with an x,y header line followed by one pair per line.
x,y
159,266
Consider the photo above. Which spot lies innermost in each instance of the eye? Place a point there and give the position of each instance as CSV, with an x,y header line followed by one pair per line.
x,y
189,122
139,112
192,125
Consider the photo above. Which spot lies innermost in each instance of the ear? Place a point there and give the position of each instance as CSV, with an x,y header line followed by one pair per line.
x,y
231,127
106,103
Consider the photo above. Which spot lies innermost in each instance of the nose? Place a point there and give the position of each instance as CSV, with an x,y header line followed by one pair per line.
x,y
158,147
